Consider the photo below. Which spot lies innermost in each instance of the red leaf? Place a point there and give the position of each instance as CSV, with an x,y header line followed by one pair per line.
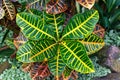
x,y
56,6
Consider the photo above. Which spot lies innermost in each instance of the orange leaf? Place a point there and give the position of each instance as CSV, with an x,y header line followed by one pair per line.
x,y
86,3
19,40
100,31
39,70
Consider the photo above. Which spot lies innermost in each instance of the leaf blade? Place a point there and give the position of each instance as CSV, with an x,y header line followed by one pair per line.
x,y
32,27
9,9
56,65
86,3
25,51
75,57
46,49
81,25
56,22
92,43
56,7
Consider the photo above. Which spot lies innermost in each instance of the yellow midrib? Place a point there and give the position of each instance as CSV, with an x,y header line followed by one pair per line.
x,y
56,27
34,2
24,54
8,10
79,25
43,51
77,57
57,63
92,42
35,27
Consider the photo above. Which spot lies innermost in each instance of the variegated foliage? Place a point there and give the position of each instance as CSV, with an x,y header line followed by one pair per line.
x,y
39,71
9,8
19,40
86,3
48,41
56,6
99,30
2,13
35,4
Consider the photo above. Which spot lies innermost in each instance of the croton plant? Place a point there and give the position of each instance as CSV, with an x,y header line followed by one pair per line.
x,y
64,47
60,47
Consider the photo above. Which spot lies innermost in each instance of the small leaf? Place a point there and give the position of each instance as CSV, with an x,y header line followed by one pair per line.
x,y
86,3
2,13
56,6
99,30
9,9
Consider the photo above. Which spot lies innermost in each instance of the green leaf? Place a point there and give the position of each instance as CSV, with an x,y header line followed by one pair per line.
x,y
36,12
74,55
92,43
115,16
56,22
44,49
7,52
33,27
56,65
24,52
67,71
111,4
81,25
